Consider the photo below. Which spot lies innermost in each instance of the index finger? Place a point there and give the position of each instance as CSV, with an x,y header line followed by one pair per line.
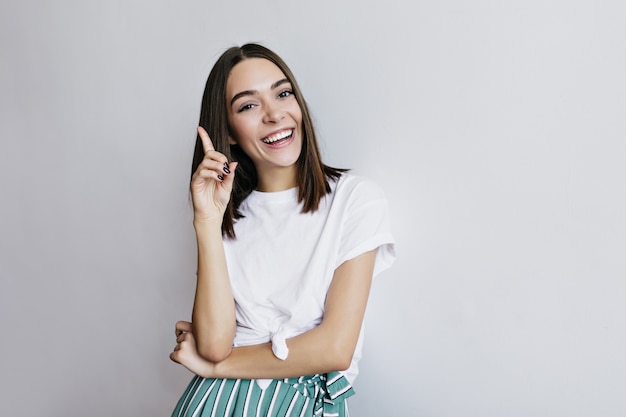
x,y
207,145
182,326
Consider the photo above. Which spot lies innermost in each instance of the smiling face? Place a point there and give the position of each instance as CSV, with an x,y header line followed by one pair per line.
x,y
265,120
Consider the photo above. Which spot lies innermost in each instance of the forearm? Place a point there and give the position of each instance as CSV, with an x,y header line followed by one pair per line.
x,y
213,314
315,351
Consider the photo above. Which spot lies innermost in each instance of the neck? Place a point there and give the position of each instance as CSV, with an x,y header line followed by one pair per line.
x,y
277,179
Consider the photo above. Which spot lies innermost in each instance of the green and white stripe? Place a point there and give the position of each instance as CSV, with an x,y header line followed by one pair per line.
x,y
320,395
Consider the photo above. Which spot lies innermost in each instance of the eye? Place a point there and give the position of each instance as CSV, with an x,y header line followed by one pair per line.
x,y
245,107
285,93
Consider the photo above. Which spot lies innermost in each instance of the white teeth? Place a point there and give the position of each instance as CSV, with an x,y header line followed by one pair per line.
x,y
278,136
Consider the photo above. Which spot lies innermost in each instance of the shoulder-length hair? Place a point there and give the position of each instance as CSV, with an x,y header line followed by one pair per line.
x,y
312,175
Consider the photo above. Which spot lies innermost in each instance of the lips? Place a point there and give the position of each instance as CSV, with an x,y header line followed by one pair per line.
x,y
278,136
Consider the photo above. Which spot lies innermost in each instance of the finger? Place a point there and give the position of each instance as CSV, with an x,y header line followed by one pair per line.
x,y
205,174
230,178
213,169
182,326
207,145
216,162
177,330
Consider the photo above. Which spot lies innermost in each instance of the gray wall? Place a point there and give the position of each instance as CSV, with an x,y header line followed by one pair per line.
x,y
496,128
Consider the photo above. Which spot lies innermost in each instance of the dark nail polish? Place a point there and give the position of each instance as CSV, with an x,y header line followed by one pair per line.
x,y
226,170
219,177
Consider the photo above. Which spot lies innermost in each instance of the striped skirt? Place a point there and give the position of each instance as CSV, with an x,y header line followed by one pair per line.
x,y
317,395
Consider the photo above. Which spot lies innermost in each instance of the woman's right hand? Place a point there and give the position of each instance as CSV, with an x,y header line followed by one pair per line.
x,y
186,353
212,182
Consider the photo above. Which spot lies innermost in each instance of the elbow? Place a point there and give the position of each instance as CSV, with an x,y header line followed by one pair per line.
x,y
341,356
214,353
338,347
344,362
341,364
214,347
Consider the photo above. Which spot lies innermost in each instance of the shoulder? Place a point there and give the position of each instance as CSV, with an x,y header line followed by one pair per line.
x,y
357,189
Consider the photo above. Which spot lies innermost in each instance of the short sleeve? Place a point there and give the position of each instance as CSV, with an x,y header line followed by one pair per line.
x,y
366,226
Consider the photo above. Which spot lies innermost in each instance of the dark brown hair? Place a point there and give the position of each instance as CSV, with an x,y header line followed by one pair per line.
x,y
312,175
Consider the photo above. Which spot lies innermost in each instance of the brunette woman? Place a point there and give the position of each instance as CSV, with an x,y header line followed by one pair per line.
x,y
287,249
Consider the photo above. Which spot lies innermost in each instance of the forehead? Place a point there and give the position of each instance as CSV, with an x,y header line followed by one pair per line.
x,y
254,74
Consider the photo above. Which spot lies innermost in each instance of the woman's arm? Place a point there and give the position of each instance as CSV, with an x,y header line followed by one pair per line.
x,y
325,348
213,315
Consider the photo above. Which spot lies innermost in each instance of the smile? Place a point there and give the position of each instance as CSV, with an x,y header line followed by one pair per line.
x,y
285,134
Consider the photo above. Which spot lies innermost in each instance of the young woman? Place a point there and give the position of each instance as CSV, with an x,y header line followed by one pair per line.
x,y
287,248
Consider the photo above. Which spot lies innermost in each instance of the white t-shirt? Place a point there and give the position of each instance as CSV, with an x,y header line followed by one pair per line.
x,y
282,262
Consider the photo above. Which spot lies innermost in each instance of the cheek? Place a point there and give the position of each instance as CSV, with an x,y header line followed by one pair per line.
x,y
298,113
241,128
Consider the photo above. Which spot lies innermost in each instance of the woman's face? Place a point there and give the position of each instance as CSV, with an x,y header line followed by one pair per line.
x,y
264,115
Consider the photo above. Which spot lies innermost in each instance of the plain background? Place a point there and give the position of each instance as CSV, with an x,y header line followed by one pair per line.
x,y
496,128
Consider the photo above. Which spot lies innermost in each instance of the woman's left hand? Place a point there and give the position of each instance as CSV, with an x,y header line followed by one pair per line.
x,y
186,353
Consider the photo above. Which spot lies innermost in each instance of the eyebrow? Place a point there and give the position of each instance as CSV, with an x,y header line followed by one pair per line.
x,y
252,92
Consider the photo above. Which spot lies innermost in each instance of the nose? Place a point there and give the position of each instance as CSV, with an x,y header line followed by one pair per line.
x,y
274,113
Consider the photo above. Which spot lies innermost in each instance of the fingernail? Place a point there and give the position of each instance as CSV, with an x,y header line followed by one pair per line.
x,y
219,177
226,170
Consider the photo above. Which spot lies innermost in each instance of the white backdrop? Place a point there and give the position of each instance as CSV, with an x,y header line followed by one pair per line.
x,y
496,128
